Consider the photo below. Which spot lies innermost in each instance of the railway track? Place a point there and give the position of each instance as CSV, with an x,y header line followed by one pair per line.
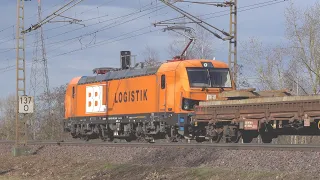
x,y
251,146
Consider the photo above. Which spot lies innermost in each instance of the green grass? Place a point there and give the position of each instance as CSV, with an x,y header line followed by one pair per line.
x,y
109,166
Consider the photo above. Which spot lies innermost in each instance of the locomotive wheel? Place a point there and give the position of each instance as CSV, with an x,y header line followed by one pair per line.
x,y
200,139
103,139
85,138
129,139
171,138
168,138
141,139
171,135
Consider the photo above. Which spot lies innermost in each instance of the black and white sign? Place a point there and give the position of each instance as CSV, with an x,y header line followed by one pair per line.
x,y
26,104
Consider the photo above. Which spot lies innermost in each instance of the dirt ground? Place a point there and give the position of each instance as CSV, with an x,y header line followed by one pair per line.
x,y
85,162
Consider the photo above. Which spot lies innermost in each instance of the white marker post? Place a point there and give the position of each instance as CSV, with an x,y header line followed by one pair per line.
x,y
26,104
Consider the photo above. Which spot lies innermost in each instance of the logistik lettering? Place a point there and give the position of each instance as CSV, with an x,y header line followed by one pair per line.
x,y
131,96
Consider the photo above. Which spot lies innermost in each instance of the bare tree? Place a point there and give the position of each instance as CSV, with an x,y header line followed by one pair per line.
x,y
7,118
267,65
49,125
243,81
303,33
151,57
52,122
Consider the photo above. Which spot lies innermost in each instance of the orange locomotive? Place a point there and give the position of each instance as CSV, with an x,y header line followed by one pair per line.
x,y
142,103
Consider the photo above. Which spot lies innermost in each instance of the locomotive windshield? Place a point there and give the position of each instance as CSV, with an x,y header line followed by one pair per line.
x,y
209,77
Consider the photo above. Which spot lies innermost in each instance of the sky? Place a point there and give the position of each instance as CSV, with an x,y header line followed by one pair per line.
x,y
74,49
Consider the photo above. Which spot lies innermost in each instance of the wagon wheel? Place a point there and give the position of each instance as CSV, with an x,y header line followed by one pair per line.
x,y
217,138
266,137
247,137
236,138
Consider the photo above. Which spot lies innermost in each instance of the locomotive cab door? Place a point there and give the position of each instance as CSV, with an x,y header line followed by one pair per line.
x,y
74,101
106,100
162,94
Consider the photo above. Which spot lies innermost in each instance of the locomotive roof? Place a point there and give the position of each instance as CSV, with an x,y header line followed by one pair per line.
x,y
121,74
127,73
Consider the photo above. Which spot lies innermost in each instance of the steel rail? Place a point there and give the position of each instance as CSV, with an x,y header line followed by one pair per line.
x,y
249,146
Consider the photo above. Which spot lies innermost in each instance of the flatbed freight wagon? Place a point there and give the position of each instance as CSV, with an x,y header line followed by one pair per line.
x,y
267,116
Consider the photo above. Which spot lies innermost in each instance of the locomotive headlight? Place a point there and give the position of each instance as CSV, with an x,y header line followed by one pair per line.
x,y
188,104
185,104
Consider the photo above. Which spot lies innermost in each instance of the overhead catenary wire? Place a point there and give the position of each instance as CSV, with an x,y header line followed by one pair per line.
x,y
195,19
142,7
9,27
98,6
207,18
52,16
210,17
30,34
227,14
103,28
85,20
9,68
155,30
238,11
6,28
36,15
267,3
263,5
258,5
149,26
83,48
277,1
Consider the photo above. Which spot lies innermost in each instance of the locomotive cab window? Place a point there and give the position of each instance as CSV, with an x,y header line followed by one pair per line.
x,y
73,92
209,77
163,81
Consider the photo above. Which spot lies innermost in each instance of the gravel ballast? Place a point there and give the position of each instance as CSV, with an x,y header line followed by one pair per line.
x,y
66,161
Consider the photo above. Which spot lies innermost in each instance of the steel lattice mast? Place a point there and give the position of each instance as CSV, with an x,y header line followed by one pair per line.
x,y
39,80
